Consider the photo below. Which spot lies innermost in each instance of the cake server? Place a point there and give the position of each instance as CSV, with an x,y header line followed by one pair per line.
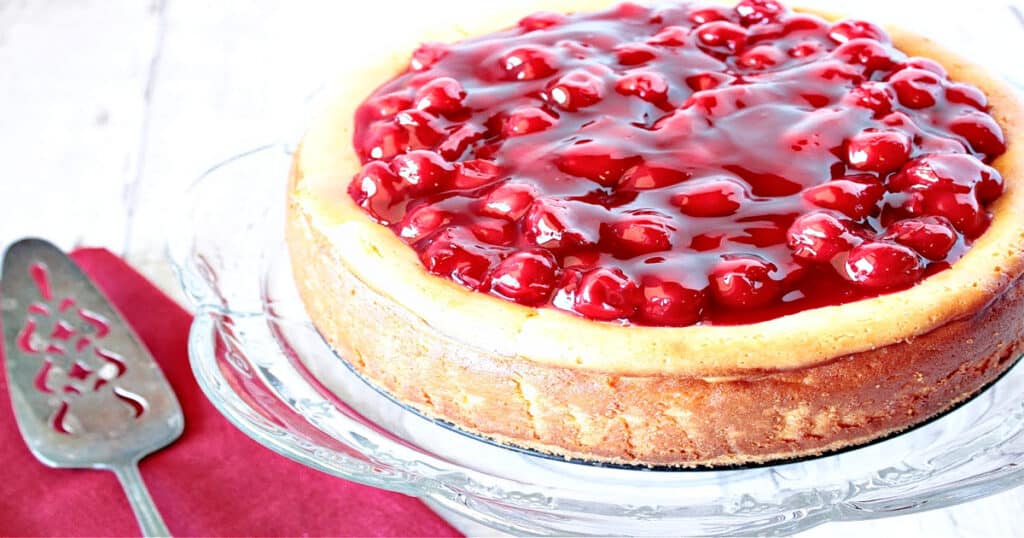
x,y
86,393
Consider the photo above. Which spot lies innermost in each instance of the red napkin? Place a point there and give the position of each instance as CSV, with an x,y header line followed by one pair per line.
x,y
213,481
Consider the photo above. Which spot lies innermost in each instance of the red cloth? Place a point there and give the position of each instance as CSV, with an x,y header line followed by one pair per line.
x,y
213,481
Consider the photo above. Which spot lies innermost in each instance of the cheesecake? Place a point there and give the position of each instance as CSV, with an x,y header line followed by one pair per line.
x,y
667,234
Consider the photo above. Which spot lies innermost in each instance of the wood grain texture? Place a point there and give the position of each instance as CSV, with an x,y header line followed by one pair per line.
x,y
107,108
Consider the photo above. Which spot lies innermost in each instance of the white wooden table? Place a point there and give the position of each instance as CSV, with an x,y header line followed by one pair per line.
x,y
109,106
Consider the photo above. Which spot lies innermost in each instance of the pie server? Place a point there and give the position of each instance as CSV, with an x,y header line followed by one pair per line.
x,y
85,392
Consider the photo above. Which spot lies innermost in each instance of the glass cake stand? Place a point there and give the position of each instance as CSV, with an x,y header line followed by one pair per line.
x,y
251,336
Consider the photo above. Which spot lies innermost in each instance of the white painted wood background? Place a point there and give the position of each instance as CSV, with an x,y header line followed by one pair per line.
x,y
109,106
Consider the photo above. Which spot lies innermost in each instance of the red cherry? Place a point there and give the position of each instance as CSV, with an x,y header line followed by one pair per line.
x,y
423,171
646,85
931,237
644,176
744,282
949,171
508,201
722,35
552,224
635,54
376,189
819,237
596,162
961,208
758,11
606,294
805,49
878,151
458,142
541,20
715,198
867,52
475,173
636,235
760,57
926,64
494,231
384,140
878,265
453,257
443,95
526,277
427,55
670,36
798,23
966,94
422,221
847,30
856,199
916,88
387,105
421,128
529,63
981,132
577,89
875,96
526,120
709,14
670,304
707,81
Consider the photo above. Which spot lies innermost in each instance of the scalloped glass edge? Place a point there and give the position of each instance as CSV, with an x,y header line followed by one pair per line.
x,y
246,347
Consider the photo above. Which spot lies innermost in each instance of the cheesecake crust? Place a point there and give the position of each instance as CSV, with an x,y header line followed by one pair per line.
x,y
543,379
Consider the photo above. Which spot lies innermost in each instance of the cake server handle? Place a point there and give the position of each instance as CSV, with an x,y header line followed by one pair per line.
x,y
138,496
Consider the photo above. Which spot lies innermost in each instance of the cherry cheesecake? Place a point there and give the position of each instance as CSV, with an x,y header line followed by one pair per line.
x,y
668,234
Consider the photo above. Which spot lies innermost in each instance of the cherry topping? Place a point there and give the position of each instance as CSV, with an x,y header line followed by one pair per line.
x,y
427,55
878,151
528,63
637,235
758,11
457,259
722,35
606,294
670,36
855,197
549,224
540,21
645,85
760,57
848,30
526,120
596,162
635,54
671,165
715,198
916,88
744,282
877,264
931,237
508,201
645,176
670,304
376,189
577,89
819,237
442,95
527,277
981,132
423,171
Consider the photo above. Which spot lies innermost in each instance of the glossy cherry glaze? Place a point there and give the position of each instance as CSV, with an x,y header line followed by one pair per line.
x,y
678,164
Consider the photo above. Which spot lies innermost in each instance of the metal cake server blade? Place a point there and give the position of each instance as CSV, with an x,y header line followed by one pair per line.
x,y
86,393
